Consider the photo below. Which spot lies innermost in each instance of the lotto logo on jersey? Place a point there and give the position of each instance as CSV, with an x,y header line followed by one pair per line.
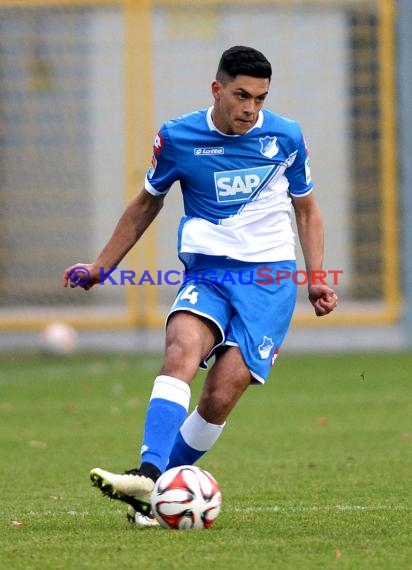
x,y
239,185
207,151
158,144
307,171
152,167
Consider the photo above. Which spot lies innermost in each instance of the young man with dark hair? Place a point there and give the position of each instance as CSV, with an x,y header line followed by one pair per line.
x,y
239,60
241,169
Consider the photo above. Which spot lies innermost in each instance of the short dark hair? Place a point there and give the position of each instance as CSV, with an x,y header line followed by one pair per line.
x,y
243,60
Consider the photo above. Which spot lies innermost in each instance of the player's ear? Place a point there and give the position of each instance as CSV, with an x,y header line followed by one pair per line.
x,y
216,88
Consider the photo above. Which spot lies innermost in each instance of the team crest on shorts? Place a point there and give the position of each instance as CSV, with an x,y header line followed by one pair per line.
x,y
268,146
266,347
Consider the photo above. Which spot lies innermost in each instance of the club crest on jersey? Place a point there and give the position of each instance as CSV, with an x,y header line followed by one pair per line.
x,y
239,185
268,146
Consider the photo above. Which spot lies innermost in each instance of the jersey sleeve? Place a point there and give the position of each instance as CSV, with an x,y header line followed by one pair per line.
x,y
163,171
298,174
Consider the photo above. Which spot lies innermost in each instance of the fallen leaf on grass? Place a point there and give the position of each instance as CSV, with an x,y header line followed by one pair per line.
x,y
322,421
37,444
18,523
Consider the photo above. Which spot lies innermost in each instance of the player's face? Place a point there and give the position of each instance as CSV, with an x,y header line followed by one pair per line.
x,y
237,103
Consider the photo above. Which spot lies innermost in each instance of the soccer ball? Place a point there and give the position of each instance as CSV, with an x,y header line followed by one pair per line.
x,y
186,497
58,339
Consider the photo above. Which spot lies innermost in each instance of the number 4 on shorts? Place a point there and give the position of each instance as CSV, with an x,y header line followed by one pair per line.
x,y
189,294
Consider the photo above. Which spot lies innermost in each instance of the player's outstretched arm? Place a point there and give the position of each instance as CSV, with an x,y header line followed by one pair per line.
x,y
134,221
311,236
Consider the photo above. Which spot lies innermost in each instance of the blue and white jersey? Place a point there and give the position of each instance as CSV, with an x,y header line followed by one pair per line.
x,y
236,188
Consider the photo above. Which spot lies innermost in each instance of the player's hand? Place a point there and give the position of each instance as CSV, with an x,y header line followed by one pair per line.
x,y
323,299
83,275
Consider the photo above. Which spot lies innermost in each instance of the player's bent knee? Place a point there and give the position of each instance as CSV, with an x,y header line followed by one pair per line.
x,y
180,361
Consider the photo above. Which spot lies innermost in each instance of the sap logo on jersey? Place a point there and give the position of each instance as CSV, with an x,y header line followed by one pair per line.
x,y
238,185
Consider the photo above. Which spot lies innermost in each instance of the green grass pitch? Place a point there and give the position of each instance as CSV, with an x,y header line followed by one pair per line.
x,y
315,468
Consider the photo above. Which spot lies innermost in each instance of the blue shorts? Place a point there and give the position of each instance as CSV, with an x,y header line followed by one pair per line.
x,y
250,303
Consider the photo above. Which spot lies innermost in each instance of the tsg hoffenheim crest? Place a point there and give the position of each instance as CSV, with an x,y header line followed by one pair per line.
x,y
269,147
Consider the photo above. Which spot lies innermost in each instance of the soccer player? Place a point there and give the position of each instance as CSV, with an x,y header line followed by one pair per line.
x,y
241,169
